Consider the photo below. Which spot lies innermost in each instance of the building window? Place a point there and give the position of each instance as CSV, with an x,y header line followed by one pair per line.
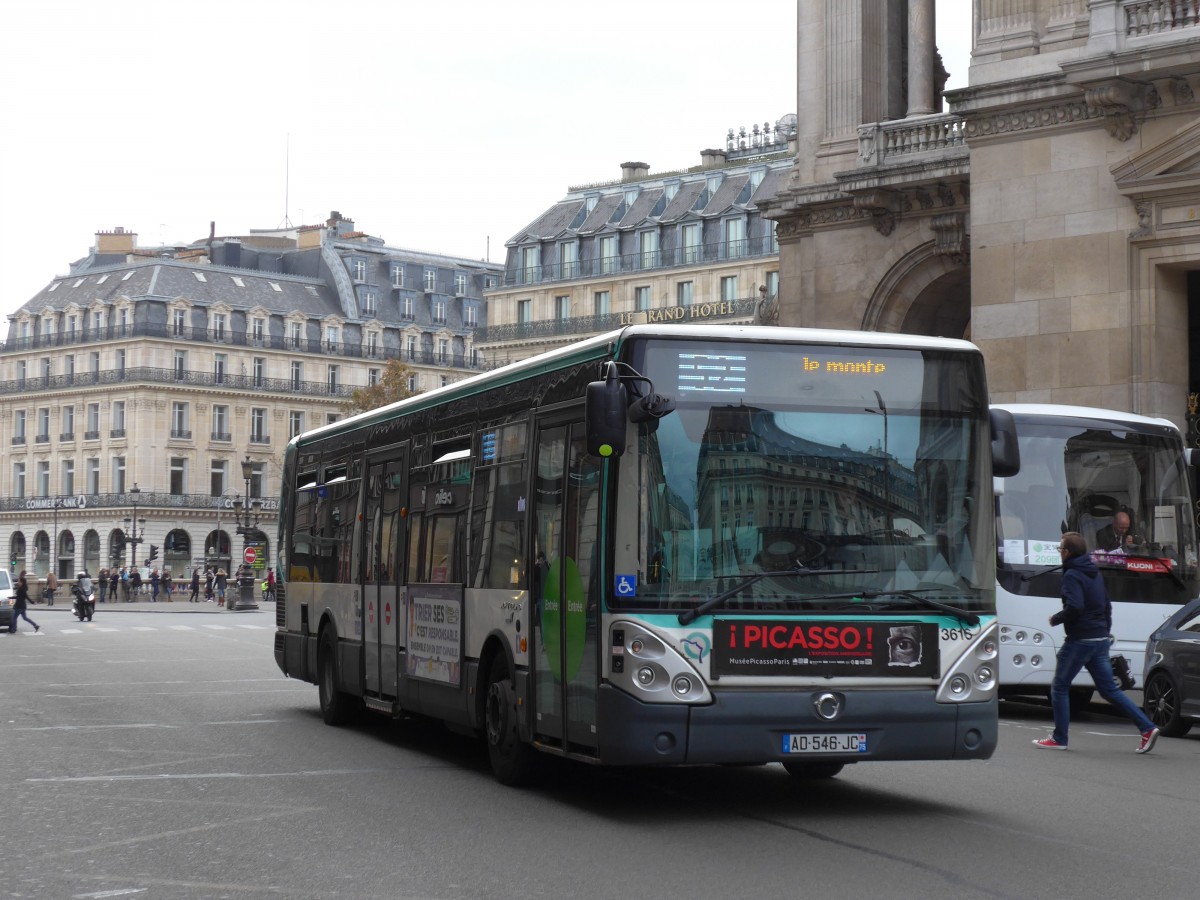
x,y
333,338
180,364
412,384
368,303
330,418
397,276
19,426
179,420
92,428
70,368
98,322
609,261
641,298
258,426
568,257
406,307
430,280
332,378
43,478
66,486
22,370
460,284
359,267
490,282
118,418
729,287
524,312
43,432
68,424
410,345
470,315
218,327
693,251
93,476
295,423
258,331
178,484
121,357
372,377
216,478
297,374
772,284
19,479
260,371
443,352
562,307
118,475
94,362
601,307
439,312
735,238
683,293
648,245
220,367
256,480
373,344
295,334
220,422
531,264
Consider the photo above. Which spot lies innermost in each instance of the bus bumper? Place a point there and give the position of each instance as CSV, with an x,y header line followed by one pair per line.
x,y
748,727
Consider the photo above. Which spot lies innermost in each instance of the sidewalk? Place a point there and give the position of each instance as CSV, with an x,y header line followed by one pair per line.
x,y
145,605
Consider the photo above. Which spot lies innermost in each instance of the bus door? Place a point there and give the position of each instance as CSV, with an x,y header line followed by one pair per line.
x,y
565,571
382,570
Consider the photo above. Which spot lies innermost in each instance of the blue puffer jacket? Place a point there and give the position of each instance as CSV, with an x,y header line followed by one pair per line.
x,y
1087,611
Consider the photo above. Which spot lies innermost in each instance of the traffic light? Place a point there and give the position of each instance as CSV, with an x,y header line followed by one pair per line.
x,y
153,553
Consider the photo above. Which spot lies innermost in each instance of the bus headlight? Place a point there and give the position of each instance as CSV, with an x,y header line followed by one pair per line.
x,y
645,665
972,677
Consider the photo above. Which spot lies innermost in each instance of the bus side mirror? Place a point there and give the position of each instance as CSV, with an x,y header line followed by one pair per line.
x,y
605,406
1006,455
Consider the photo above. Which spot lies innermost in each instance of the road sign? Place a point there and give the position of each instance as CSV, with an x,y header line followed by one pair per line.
x,y
250,554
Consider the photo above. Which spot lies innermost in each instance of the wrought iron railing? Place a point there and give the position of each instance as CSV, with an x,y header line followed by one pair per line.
x,y
641,261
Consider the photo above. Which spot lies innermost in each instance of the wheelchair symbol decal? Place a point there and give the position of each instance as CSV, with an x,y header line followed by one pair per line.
x,y
626,586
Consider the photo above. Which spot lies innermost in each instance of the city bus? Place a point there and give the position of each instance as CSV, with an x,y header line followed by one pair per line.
x,y
1082,469
669,544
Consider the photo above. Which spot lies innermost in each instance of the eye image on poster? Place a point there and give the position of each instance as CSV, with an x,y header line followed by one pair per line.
x,y
904,646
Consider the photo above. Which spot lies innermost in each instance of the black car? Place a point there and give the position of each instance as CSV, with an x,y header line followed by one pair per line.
x,y
1171,695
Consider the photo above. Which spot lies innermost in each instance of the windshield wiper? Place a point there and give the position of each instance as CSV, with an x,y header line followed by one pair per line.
x,y
915,596
690,615
1029,576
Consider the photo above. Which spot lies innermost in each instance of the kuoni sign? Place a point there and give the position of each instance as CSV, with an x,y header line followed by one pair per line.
x,y
789,647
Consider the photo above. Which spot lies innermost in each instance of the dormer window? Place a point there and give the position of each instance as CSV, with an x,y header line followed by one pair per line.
x,y
397,276
430,280
460,284
368,303
359,269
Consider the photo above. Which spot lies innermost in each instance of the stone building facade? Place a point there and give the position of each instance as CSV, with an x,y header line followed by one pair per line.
x,y
1051,212
133,389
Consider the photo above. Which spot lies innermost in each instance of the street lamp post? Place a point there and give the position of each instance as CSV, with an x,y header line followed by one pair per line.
x,y
137,537
54,540
247,511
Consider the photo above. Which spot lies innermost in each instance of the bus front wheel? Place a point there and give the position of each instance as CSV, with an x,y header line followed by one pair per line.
x,y
511,759
812,771
335,705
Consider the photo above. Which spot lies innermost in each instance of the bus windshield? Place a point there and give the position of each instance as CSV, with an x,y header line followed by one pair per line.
x,y
853,473
1123,489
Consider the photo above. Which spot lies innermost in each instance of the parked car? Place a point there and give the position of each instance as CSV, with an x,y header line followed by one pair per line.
x,y
6,592
1171,693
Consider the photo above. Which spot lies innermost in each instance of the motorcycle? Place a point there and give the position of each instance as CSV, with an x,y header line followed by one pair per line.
x,y
83,604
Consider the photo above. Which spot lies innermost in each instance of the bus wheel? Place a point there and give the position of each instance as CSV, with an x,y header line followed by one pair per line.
x,y
512,760
812,771
1080,699
335,706
1161,702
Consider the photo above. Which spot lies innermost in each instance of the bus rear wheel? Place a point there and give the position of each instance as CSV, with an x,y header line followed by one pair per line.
x,y
336,707
512,760
812,771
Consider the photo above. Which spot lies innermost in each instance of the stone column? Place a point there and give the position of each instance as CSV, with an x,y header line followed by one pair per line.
x,y
921,47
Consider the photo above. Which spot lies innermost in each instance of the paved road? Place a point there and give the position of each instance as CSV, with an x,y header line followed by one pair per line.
x,y
159,753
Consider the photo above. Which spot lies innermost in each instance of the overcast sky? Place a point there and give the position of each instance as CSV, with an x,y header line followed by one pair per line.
x,y
441,126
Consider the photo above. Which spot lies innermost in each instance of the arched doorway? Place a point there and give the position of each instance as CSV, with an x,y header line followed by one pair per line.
x,y
217,547
116,548
16,551
64,555
41,554
91,551
177,553
925,292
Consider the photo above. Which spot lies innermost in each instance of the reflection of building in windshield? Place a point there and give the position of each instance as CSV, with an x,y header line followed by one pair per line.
x,y
762,490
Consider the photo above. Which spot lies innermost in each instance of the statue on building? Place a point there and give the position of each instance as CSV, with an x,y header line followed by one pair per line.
x,y
766,312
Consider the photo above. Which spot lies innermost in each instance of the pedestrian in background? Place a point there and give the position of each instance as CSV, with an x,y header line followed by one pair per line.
x,y
166,583
220,582
1086,617
51,587
194,598
21,605
114,578
102,580
208,585
154,582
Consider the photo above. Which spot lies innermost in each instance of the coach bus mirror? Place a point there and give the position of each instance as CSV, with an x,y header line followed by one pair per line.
x,y
1006,456
605,406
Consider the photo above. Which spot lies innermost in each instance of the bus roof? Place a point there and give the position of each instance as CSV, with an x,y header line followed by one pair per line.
x,y
602,346
1086,413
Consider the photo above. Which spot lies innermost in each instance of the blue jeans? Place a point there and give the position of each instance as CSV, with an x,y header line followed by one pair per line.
x,y
1093,656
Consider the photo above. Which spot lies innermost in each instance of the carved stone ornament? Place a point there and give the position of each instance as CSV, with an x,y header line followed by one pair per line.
x,y
1181,91
766,311
950,237
884,207
1145,214
1118,101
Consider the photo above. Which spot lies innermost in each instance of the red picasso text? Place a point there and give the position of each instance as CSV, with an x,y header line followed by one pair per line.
x,y
808,637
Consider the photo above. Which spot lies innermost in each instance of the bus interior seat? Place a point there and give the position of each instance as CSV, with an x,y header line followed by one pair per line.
x,y
1095,512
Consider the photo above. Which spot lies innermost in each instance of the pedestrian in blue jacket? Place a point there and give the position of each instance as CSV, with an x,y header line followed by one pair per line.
x,y
1086,617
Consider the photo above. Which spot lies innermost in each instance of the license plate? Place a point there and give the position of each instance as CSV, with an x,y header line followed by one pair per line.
x,y
824,743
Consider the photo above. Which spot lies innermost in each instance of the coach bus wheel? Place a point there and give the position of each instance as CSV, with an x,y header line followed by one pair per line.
x,y
1161,702
512,760
1080,699
335,706
810,771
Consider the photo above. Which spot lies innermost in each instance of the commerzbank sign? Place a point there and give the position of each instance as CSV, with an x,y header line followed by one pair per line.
x,y
79,502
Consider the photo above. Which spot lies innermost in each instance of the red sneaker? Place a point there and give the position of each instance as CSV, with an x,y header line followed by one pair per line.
x,y
1050,743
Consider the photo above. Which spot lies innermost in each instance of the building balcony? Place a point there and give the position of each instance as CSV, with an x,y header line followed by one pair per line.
x,y
91,435
223,436
181,434
117,433
120,502
67,437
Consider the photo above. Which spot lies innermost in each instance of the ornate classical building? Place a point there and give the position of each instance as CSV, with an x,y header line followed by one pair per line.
x,y
1051,214
133,389
684,245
